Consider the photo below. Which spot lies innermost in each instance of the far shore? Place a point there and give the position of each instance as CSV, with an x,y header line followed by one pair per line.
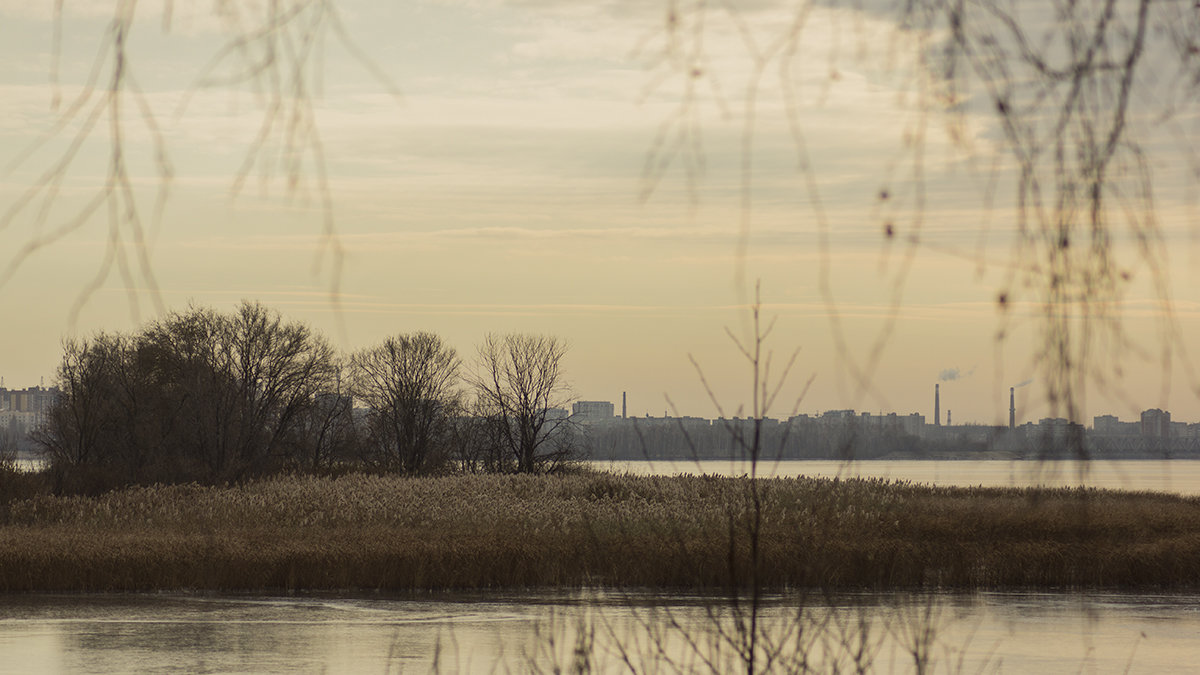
x,y
32,459
981,456
595,530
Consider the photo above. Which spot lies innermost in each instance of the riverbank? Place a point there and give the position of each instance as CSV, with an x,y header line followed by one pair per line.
x,y
370,533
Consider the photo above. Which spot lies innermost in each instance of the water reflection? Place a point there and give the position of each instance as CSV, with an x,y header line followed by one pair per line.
x,y
164,633
992,632
1180,476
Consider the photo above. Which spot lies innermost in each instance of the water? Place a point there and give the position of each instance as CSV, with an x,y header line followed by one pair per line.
x,y
176,633
30,463
1179,476
992,632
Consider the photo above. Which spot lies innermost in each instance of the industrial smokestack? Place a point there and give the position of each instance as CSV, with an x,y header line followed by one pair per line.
x,y
1012,408
623,410
937,406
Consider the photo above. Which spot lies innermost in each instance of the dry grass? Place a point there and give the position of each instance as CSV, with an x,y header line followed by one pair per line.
x,y
393,533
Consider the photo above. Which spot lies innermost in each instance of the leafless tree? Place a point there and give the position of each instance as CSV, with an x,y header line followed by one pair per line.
x,y
196,395
410,386
521,389
279,369
327,432
108,425
478,442
10,436
80,420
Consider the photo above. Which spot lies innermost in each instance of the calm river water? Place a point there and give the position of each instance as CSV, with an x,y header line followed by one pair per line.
x,y
1013,633
1180,476
988,632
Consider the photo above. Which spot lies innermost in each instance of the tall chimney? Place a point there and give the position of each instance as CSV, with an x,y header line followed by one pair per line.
x,y
1012,408
623,410
937,406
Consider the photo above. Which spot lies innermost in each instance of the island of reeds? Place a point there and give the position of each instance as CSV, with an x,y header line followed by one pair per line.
x,y
586,530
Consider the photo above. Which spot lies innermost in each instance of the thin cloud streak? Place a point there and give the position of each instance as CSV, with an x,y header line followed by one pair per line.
x,y
362,303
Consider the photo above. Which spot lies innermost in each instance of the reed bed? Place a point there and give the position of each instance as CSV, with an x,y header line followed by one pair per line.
x,y
366,532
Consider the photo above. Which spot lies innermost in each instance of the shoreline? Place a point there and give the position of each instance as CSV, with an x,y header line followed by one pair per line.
x,y
983,456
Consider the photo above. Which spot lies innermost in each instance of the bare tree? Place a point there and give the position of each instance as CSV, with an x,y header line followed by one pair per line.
x,y
79,423
478,443
326,432
410,385
197,395
109,423
278,369
521,390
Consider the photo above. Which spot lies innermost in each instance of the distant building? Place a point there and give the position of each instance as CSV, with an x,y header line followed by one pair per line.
x,y
21,412
31,400
1179,430
18,423
693,423
1109,425
24,410
837,417
592,411
913,424
1055,429
1105,424
1156,423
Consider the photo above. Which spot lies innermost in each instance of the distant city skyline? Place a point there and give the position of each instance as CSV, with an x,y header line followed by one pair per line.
x,y
592,410
38,397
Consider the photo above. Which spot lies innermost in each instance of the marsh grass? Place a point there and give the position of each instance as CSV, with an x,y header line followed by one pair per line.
x,y
593,530
17,484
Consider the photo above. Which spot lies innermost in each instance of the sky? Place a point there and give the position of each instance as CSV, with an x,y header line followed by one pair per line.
x,y
535,166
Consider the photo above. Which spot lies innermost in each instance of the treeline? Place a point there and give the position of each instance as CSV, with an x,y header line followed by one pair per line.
x,y
209,397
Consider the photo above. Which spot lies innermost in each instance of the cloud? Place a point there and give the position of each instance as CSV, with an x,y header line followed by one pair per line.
x,y
45,11
952,374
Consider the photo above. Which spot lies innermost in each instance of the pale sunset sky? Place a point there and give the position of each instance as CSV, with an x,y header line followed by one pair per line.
x,y
503,188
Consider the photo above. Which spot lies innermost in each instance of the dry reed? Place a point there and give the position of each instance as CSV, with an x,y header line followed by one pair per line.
x,y
601,530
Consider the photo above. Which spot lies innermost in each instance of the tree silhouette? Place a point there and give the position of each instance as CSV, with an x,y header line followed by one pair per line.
x,y
410,387
520,389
